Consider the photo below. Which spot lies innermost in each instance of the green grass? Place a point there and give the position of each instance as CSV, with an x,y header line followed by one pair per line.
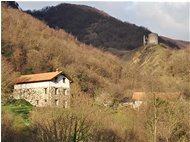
x,y
19,107
17,102
20,110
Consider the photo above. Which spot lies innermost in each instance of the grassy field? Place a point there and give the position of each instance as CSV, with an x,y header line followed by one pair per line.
x,y
20,110
19,107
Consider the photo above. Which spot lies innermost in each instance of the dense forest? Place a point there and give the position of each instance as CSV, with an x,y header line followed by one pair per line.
x,y
31,46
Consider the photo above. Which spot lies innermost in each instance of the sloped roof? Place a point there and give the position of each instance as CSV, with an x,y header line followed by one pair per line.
x,y
138,96
37,77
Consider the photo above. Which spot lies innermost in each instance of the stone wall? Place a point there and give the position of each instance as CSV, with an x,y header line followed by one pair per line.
x,y
52,96
152,39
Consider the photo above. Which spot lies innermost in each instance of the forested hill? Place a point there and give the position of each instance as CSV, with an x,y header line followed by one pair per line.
x,y
95,27
91,26
30,46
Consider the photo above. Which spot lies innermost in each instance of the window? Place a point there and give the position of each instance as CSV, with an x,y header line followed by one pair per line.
x,y
45,90
37,102
56,102
56,91
55,80
64,79
45,101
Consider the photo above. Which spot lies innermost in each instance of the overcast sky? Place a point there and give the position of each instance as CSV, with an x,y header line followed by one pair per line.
x,y
169,19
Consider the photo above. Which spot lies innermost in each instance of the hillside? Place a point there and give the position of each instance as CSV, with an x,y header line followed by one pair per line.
x,y
95,27
170,68
32,47
12,4
90,26
180,43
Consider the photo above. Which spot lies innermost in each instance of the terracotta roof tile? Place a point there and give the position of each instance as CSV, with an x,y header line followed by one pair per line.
x,y
138,96
37,77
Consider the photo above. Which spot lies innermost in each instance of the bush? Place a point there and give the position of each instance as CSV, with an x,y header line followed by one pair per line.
x,y
13,127
18,102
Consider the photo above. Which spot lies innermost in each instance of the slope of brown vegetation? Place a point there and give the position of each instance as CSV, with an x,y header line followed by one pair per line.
x,y
30,46
87,122
33,47
92,26
169,68
180,43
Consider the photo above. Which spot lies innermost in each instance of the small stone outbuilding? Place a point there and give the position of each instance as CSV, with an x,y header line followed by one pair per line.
x,y
152,39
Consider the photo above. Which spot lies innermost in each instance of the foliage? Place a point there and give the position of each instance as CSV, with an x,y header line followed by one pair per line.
x,y
19,106
82,122
13,127
92,70
62,126
92,26
47,49
8,76
29,46
165,120
15,120
17,102
85,121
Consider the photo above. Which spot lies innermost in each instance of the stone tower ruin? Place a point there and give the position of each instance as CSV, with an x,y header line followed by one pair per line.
x,y
152,39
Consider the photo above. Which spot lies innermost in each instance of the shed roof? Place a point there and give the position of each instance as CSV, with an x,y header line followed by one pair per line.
x,y
38,77
138,96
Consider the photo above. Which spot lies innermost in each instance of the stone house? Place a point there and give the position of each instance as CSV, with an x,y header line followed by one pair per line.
x,y
126,101
134,101
139,98
44,89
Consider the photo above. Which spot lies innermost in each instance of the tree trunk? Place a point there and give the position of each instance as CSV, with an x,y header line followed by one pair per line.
x,y
155,120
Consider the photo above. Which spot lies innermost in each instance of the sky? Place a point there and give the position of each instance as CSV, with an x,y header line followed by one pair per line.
x,y
170,19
